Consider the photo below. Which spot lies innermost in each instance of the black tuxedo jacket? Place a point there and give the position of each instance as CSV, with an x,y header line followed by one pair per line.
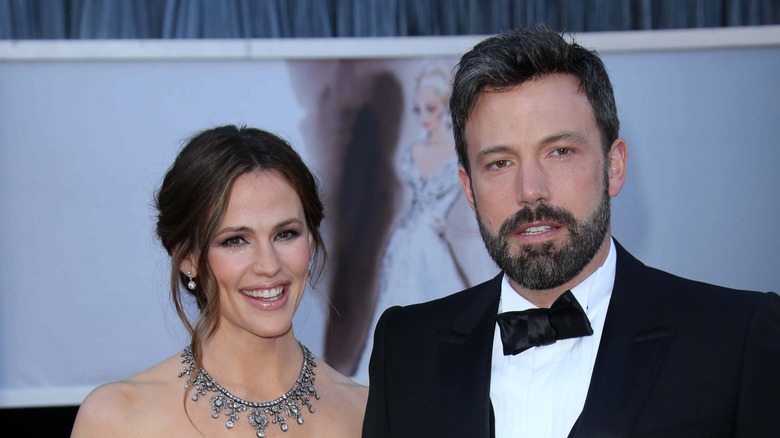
x,y
677,358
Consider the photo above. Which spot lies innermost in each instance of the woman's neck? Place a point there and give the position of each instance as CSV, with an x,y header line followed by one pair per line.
x,y
253,368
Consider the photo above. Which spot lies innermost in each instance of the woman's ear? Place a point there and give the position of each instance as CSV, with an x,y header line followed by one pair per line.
x,y
312,250
188,268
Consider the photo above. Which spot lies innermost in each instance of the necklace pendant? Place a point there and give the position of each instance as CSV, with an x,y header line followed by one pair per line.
x,y
258,421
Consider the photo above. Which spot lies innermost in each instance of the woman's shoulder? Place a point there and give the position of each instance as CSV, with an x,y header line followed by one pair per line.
x,y
106,410
345,389
343,402
121,407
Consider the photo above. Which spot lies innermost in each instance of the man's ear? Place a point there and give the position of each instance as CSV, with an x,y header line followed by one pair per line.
x,y
618,157
465,181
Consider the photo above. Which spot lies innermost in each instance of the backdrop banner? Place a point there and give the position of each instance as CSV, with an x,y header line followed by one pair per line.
x,y
85,142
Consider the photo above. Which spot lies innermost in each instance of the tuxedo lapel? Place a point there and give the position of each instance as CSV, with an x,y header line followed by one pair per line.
x,y
465,354
630,353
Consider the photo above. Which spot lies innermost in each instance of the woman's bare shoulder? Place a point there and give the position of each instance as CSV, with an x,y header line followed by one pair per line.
x,y
341,409
346,391
122,408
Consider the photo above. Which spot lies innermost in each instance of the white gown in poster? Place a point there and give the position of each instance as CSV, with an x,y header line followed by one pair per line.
x,y
422,259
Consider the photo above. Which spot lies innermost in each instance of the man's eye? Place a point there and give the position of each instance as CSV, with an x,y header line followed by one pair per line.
x,y
500,164
561,152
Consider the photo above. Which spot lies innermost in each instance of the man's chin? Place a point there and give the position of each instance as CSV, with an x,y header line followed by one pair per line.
x,y
535,248
539,283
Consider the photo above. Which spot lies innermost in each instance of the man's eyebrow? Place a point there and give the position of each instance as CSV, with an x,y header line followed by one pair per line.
x,y
491,150
565,135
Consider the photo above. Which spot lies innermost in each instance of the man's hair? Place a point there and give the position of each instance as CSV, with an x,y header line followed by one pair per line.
x,y
508,59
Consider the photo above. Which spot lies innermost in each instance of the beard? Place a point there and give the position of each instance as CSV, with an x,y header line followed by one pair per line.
x,y
546,266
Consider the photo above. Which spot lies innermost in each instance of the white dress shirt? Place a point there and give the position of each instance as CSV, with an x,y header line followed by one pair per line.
x,y
541,391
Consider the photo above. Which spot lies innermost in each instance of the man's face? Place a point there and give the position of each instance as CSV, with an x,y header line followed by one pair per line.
x,y
539,183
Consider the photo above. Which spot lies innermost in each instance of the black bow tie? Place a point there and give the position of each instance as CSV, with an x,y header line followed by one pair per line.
x,y
534,327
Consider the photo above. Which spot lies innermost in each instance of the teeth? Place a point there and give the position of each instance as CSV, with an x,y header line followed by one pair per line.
x,y
265,293
537,230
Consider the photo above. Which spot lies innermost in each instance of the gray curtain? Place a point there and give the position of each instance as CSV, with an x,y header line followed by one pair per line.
x,y
141,19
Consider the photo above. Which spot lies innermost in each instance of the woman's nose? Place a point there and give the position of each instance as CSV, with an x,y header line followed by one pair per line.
x,y
266,260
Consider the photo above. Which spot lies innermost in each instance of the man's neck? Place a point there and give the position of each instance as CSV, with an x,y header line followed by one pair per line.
x,y
545,297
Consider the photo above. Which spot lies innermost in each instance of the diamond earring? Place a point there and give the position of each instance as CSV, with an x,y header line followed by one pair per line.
x,y
191,285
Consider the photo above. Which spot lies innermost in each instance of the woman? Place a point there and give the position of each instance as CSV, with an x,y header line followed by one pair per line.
x,y
420,263
239,214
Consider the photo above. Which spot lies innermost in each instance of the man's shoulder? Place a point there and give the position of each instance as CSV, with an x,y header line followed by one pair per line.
x,y
465,297
631,272
447,308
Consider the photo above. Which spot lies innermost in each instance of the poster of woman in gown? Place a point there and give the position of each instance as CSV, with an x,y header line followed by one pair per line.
x,y
420,262
400,228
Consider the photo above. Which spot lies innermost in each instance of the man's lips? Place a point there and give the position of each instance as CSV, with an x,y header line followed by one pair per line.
x,y
538,224
536,229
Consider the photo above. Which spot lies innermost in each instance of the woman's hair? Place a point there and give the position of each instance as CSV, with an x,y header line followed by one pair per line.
x,y
193,198
437,77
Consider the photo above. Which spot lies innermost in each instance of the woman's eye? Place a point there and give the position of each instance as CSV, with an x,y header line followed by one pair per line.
x,y
232,242
287,235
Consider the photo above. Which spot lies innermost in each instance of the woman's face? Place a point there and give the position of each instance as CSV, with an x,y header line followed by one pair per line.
x,y
260,255
430,107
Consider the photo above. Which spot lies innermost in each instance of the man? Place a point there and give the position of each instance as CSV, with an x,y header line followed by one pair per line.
x,y
625,350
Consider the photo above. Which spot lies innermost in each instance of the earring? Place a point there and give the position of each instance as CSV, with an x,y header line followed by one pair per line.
x,y
191,285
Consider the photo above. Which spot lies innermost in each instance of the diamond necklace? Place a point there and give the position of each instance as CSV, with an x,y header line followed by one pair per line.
x,y
287,406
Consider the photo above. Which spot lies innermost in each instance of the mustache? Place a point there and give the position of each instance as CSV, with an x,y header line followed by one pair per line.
x,y
543,212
